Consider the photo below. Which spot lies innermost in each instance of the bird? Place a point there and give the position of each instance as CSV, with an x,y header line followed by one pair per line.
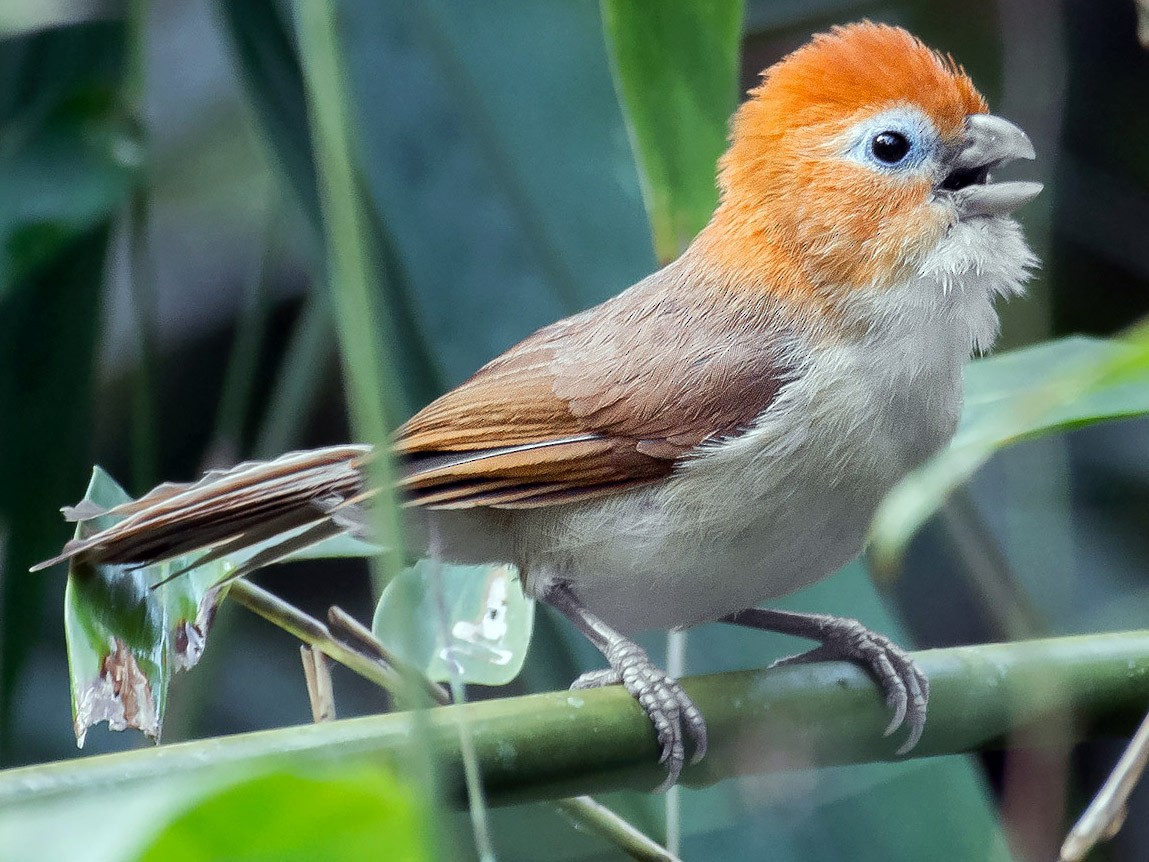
x,y
721,433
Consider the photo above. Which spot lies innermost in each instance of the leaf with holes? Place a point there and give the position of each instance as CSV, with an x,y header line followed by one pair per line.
x,y
126,637
433,614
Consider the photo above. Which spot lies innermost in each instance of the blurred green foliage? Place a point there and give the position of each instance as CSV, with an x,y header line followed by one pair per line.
x,y
293,818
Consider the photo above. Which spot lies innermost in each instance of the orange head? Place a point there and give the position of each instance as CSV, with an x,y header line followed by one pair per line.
x,y
851,160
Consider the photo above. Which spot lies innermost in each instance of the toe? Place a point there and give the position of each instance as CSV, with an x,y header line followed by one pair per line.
x,y
597,679
670,710
897,696
695,725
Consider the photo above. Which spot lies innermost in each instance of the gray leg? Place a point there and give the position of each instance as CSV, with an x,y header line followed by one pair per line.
x,y
906,688
668,707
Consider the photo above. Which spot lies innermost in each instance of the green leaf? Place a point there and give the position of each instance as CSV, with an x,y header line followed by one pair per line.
x,y
676,69
292,818
1024,393
489,617
125,635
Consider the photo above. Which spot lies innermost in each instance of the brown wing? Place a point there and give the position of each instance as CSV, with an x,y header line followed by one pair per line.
x,y
607,400
581,409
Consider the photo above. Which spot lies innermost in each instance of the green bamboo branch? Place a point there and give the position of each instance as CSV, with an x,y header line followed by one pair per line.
x,y
554,745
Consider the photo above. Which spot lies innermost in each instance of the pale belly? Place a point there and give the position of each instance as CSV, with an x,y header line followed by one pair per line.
x,y
639,581
644,561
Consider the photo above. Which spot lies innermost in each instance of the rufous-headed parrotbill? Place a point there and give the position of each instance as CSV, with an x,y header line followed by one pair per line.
x,y
721,433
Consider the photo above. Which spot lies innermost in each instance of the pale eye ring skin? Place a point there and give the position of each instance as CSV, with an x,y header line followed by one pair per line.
x,y
897,141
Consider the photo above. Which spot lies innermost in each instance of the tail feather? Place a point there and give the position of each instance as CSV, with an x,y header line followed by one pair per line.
x,y
232,509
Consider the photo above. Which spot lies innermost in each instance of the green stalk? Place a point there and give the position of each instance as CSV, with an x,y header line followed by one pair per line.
x,y
596,818
315,634
357,297
137,220
242,364
358,649
560,744
144,437
361,321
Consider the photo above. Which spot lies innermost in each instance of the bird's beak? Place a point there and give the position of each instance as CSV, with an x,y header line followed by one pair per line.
x,y
988,143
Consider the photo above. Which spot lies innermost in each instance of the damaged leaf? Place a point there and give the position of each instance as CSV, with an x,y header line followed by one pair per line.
x,y
125,635
488,618
129,628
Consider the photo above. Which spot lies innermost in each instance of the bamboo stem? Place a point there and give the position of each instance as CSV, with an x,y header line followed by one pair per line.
x,y
560,744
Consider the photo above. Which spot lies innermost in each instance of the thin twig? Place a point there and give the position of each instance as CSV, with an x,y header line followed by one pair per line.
x,y
311,631
307,656
317,672
143,297
583,810
306,359
600,820
247,343
357,636
362,651
1106,813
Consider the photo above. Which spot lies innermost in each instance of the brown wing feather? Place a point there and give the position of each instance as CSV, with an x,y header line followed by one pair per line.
x,y
585,408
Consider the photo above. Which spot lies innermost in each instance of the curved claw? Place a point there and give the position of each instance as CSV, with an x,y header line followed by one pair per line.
x,y
905,686
669,708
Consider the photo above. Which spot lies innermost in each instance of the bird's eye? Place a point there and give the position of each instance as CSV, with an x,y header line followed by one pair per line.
x,y
889,147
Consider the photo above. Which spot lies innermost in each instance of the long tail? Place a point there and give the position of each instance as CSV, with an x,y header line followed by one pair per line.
x,y
309,495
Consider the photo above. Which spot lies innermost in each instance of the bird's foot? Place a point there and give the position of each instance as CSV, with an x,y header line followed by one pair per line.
x,y
664,701
906,687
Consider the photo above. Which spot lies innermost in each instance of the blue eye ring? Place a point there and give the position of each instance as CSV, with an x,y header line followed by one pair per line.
x,y
889,147
898,141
